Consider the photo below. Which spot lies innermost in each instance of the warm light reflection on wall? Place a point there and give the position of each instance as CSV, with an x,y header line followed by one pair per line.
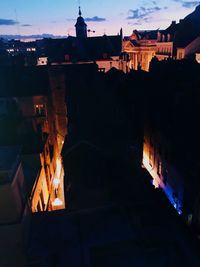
x,y
57,202
157,181
40,197
58,167
151,169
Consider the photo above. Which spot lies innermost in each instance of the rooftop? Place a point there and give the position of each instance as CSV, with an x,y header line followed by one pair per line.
x,y
23,81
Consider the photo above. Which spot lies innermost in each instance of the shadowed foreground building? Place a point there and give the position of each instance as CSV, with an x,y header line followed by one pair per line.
x,y
13,207
96,120
171,134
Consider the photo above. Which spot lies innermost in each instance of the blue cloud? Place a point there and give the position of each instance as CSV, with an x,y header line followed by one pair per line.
x,y
95,19
188,4
26,25
8,22
142,12
34,36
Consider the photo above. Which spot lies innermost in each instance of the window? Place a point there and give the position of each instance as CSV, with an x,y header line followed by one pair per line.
x,y
39,109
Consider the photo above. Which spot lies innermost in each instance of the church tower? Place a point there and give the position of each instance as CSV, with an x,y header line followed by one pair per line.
x,y
81,26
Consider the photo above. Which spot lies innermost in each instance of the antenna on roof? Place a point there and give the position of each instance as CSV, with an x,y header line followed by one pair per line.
x,y
79,6
89,31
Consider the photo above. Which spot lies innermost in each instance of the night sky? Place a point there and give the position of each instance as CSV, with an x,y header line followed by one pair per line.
x,y
104,16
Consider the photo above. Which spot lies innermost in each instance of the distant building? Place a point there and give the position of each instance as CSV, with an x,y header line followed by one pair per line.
x,y
180,40
188,50
140,50
105,51
143,46
81,26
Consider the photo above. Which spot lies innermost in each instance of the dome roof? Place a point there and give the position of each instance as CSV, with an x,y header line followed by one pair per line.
x,y
80,21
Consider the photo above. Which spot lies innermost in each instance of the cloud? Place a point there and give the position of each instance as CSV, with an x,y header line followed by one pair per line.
x,y
8,22
95,19
34,36
188,4
26,25
142,12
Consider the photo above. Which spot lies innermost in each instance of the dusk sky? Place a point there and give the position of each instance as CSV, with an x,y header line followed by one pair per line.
x,y
26,17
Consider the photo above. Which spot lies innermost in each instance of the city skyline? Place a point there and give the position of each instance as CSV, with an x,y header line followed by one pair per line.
x,y
58,18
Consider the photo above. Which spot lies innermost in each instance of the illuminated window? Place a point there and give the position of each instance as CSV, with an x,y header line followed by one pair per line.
x,y
39,109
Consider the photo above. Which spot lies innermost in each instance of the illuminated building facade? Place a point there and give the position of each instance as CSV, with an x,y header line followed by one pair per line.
x,y
143,46
156,151
189,49
38,119
179,41
140,51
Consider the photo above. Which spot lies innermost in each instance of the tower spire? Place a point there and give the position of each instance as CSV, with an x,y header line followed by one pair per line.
x,y
80,13
81,26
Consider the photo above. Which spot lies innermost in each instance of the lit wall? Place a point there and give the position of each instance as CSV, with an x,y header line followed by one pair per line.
x,y
164,175
41,194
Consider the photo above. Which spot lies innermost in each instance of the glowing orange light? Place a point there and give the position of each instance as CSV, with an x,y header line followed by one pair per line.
x,y
58,167
152,171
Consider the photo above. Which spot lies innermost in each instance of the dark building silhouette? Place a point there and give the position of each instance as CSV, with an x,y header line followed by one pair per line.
x,y
81,26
